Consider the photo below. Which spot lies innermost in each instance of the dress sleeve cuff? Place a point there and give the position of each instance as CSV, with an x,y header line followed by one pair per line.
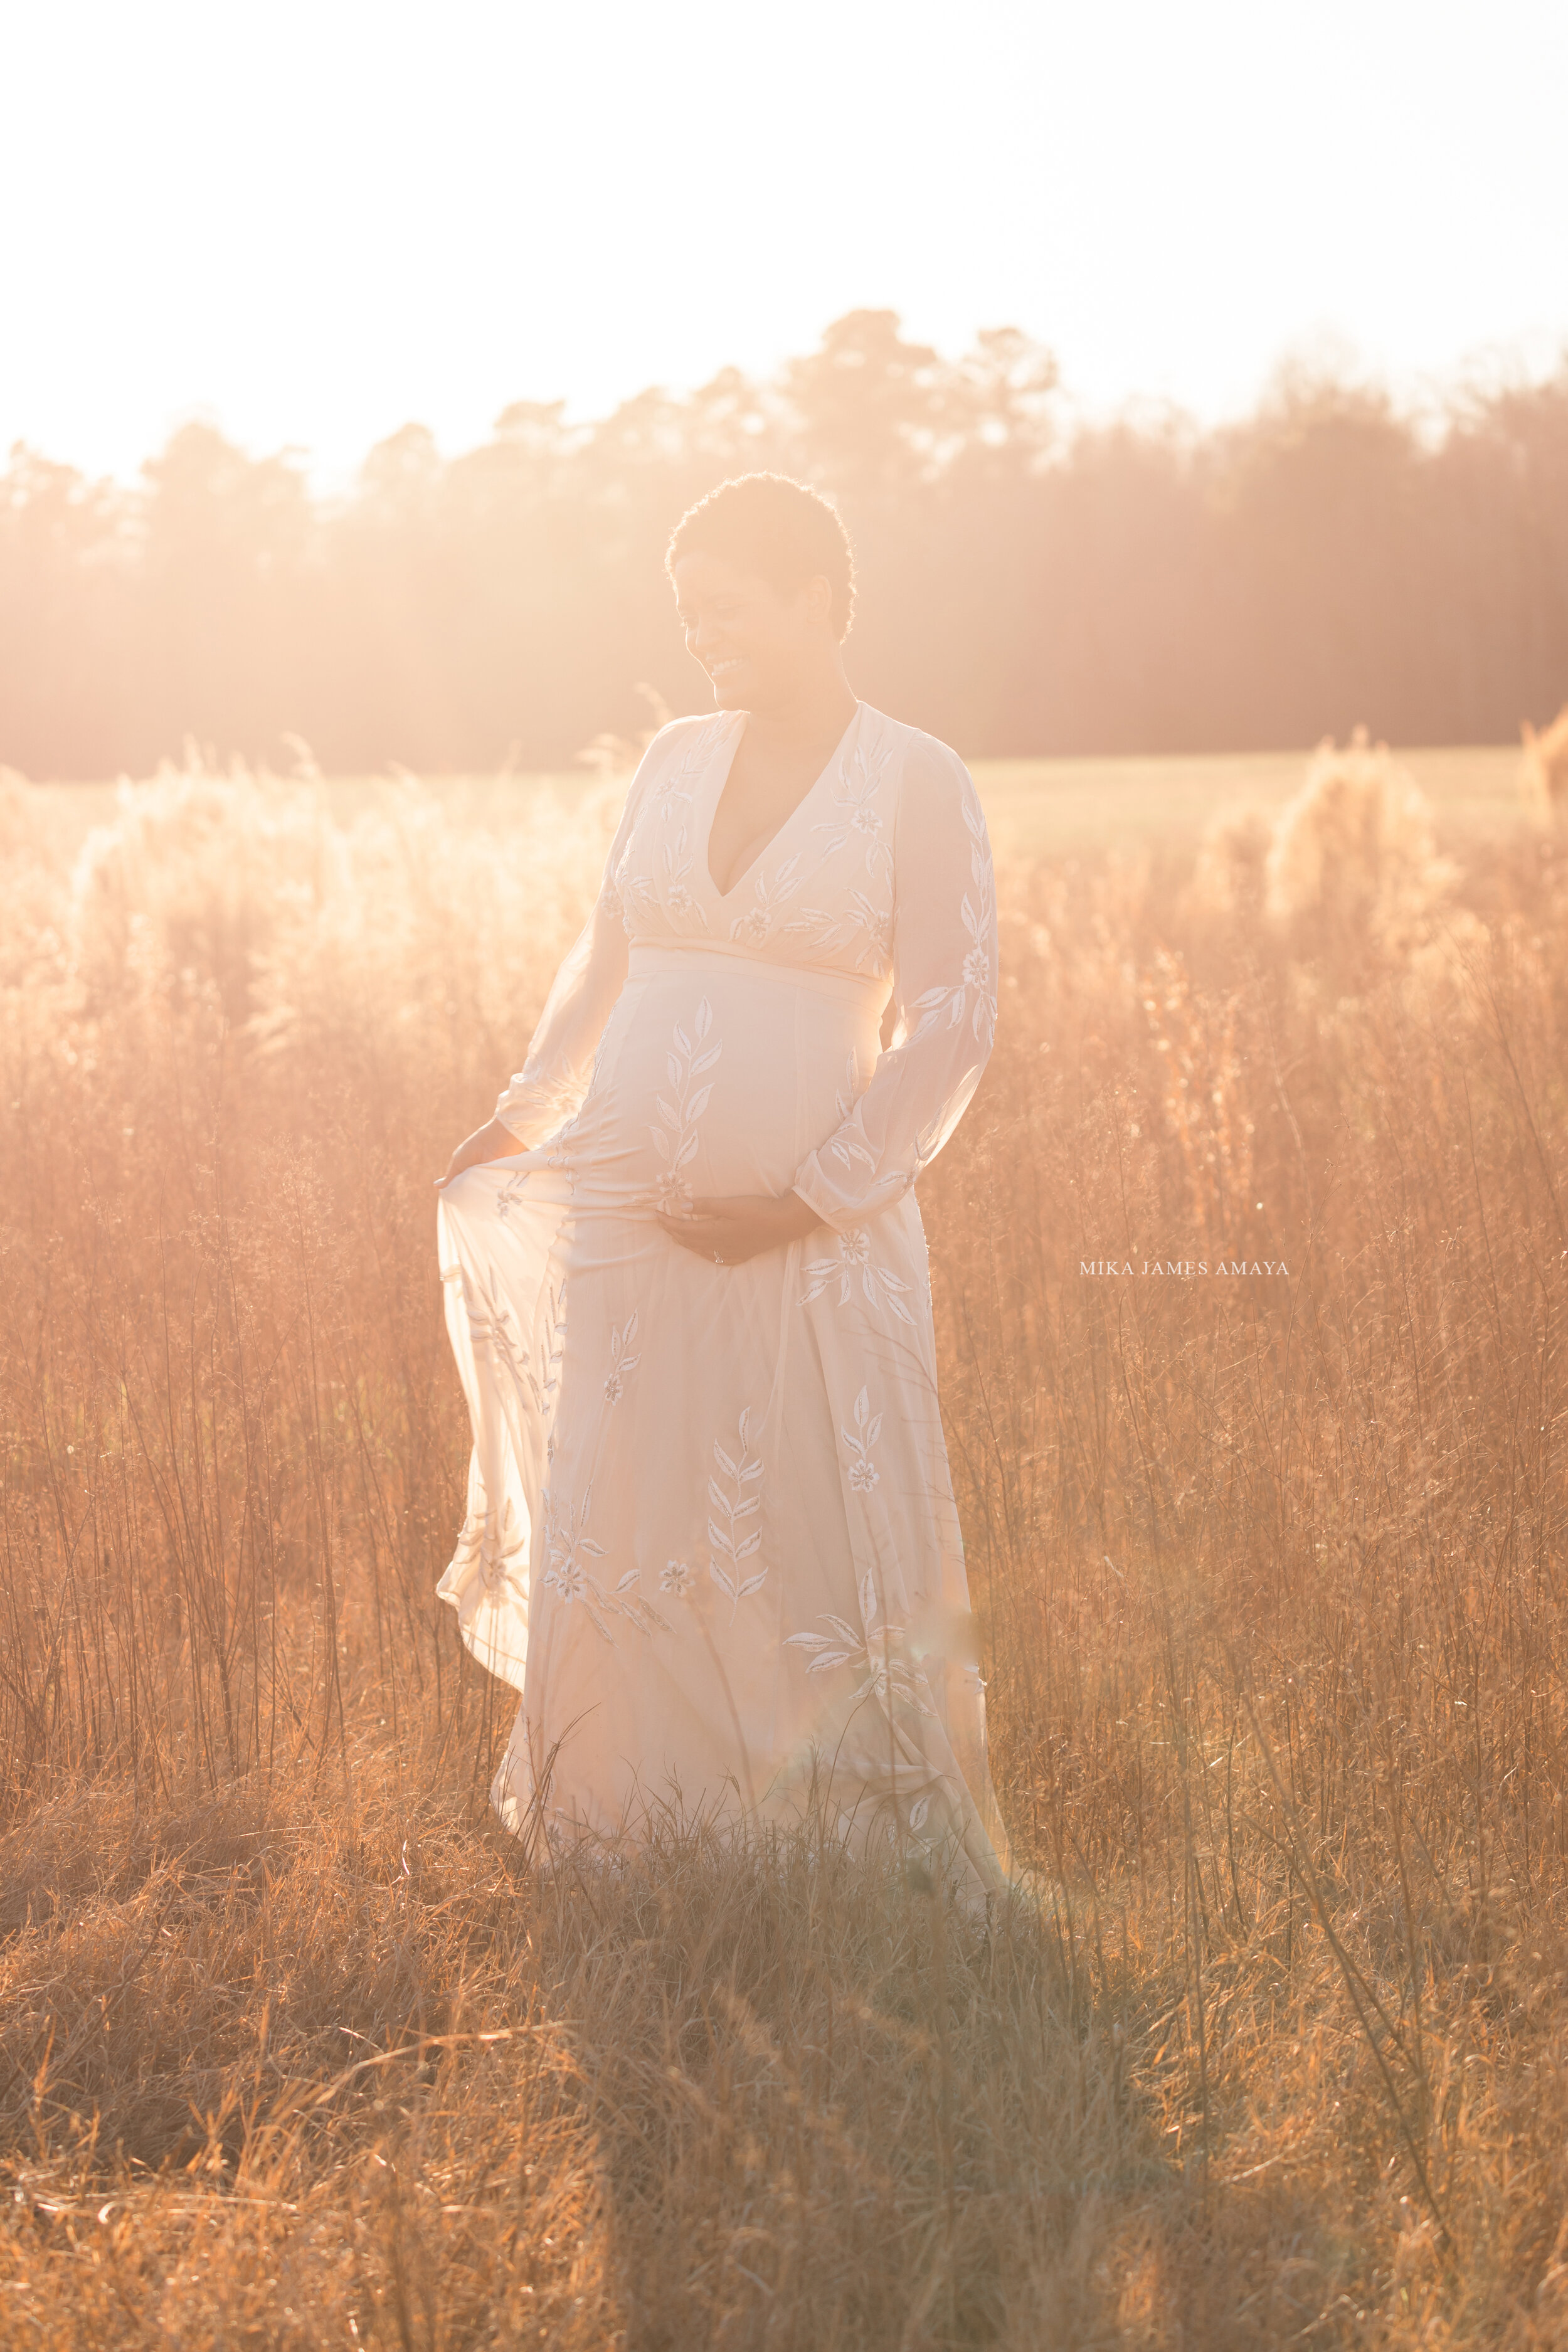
x,y
829,1203
512,1106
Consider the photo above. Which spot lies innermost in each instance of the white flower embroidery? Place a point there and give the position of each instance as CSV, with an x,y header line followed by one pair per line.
x,y
877,1652
677,898
758,920
496,1543
568,1549
677,864
571,1578
863,1472
677,1578
875,954
879,1285
855,805
668,801
676,1141
622,1361
863,921
731,1538
511,1191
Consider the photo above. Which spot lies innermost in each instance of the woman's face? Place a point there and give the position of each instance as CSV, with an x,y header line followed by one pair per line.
x,y
752,642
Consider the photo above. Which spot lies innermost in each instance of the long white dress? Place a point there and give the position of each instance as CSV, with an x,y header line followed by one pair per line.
x,y
711,1532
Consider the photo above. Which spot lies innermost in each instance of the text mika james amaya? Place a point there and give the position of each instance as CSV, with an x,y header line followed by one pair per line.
x,y
1191,1268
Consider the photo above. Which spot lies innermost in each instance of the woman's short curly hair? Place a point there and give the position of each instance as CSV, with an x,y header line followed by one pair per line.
x,y
776,526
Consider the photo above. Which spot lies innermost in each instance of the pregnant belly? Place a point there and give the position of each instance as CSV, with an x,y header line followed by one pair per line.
x,y
719,1075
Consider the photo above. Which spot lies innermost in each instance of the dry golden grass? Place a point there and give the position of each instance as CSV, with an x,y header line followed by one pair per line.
x,y
1270,1566
1543,772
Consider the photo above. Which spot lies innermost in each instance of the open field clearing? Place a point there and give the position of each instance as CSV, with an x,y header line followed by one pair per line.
x,y
1250,1264
1042,807
1035,807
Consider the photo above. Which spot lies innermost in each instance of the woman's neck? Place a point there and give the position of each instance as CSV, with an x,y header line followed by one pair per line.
x,y
817,712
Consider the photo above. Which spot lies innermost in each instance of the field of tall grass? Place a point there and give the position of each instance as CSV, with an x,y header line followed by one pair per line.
x,y
1251,1274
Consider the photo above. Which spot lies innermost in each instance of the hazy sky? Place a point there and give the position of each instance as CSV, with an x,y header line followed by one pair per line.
x,y
313,222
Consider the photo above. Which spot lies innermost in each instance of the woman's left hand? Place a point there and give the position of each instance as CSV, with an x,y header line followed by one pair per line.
x,y
731,1231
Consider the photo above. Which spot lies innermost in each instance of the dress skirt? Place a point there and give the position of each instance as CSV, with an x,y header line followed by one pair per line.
x,y
711,1535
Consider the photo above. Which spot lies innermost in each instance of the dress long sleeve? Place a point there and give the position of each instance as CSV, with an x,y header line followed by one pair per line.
x,y
548,1088
944,998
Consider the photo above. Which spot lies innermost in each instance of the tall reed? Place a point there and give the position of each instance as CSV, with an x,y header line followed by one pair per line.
x,y
1250,1264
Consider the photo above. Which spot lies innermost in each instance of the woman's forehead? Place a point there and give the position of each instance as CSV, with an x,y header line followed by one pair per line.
x,y
702,574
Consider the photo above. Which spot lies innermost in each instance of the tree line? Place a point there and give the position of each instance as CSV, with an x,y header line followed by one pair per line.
x,y
1025,587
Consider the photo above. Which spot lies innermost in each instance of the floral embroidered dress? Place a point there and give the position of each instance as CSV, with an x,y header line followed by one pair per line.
x,y
710,1533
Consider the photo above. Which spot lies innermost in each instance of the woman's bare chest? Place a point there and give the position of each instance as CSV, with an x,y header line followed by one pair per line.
x,y
760,794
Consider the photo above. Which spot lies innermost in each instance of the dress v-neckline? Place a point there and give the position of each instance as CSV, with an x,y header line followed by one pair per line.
x,y
723,896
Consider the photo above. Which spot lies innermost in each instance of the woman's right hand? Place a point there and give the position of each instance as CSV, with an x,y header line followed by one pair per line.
x,y
491,1142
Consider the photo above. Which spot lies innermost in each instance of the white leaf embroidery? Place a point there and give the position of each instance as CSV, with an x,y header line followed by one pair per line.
x,y
567,1548
676,1141
864,1473
728,1539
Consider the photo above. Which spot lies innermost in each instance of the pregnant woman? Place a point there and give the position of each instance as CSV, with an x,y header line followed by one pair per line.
x,y
710,1533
